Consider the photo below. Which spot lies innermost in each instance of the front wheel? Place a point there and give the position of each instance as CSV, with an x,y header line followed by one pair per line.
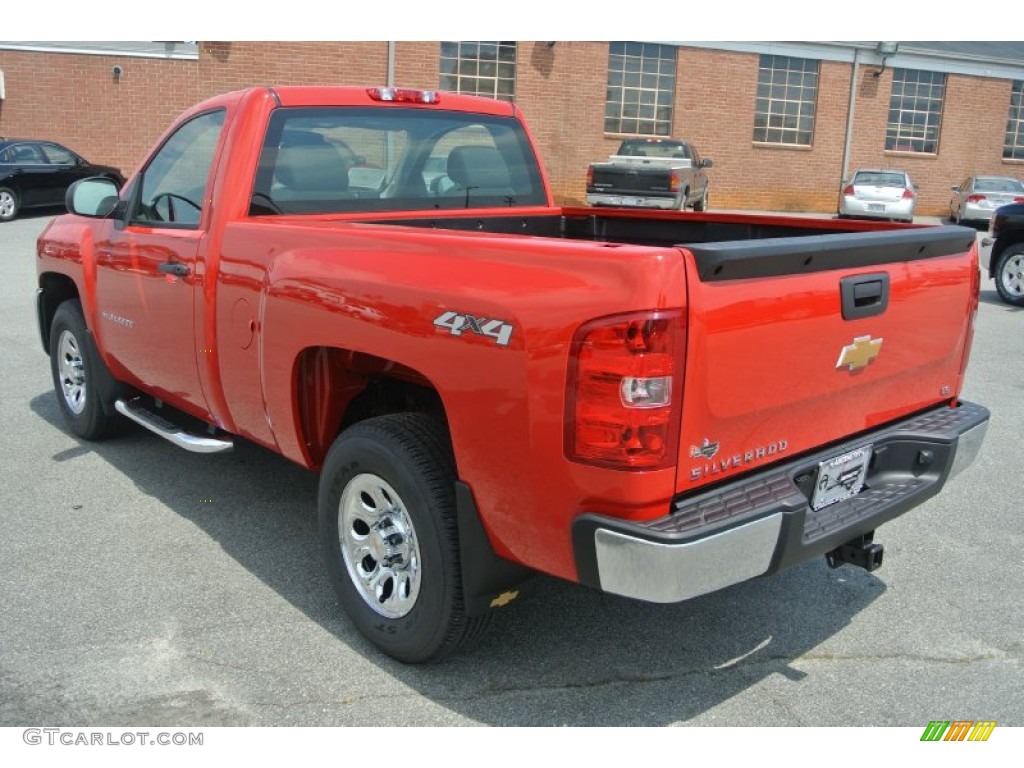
x,y
389,536
8,204
1009,274
76,373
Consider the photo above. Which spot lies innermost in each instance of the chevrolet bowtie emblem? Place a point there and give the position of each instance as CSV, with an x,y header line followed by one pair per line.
x,y
504,598
857,355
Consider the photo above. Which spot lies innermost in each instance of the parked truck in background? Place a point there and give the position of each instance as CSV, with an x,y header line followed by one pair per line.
x,y
651,173
375,284
1006,259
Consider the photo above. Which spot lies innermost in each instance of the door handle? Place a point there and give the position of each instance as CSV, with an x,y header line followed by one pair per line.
x,y
864,295
175,268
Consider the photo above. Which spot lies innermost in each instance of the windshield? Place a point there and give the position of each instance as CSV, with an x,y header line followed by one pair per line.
x,y
644,148
880,179
1011,186
336,159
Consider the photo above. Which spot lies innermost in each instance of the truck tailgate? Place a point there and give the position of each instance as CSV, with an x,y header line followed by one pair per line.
x,y
779,362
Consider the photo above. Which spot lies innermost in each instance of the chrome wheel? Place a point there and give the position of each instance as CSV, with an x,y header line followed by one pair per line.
x,y
1012,275
71,369
379,546
8,205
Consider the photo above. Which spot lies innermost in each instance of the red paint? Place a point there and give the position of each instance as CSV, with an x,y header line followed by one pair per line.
x,y
283,319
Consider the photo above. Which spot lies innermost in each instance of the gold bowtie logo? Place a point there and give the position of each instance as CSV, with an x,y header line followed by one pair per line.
x,y
857,355
504,598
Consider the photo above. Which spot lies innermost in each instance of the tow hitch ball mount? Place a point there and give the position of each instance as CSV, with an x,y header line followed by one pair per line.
x,y
859,551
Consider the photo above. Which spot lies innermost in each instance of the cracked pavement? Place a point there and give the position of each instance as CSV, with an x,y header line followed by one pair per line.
x,y
129,600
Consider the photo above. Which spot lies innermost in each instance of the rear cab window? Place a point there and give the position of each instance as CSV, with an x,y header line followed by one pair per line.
x,y
353,159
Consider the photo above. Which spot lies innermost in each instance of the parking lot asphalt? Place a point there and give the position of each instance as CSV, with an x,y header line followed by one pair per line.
x,y
142,585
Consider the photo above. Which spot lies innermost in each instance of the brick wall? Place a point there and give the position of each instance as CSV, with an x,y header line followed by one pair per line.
x,y
75,100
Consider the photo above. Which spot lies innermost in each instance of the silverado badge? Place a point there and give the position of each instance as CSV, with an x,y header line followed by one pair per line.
x,y
705,451
857,355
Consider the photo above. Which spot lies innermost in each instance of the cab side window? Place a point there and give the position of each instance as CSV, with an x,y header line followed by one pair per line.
x,y
174,182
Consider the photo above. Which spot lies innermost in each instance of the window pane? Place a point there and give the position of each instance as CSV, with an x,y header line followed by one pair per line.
x,y
484,68
641,88
787,90
915,111
1013,147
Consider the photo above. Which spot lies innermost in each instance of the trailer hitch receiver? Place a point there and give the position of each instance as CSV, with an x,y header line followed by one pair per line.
x,y
860,551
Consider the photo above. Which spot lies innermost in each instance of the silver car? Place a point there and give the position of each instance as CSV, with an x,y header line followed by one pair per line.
x,y
976,197
879,193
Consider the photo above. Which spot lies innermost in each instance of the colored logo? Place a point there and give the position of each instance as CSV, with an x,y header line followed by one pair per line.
x,y
958,730
707,450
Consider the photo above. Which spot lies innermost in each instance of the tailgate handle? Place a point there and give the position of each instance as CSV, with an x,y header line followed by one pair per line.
x,y
864,295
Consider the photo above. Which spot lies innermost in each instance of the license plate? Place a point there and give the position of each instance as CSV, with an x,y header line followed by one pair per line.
x,y
841,477
631,201
878,207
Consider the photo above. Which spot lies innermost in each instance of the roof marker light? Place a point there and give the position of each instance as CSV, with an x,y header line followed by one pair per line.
x,y
408,95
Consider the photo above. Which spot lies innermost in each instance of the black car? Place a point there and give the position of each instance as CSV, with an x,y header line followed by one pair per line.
x,y
38,173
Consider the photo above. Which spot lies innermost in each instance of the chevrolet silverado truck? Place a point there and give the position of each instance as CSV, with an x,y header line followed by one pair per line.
x,y
651,173
376,284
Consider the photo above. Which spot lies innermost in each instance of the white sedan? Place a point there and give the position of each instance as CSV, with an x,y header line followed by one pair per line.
x,y
879,194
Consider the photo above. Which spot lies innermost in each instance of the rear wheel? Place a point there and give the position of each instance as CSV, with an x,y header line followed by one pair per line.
x,y
702,204
685,200
1009,274
8,204
389,535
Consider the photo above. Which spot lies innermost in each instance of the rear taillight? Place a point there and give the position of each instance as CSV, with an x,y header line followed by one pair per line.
x,y
590,177
975,198
673,182
1019,199
624,390
848,190
908,194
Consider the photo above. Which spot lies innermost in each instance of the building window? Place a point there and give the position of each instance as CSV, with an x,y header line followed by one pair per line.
x,y
479,69
641,88
915,111
787,91
1013,147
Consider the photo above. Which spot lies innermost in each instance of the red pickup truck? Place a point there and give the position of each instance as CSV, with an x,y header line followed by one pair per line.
x,y
375,283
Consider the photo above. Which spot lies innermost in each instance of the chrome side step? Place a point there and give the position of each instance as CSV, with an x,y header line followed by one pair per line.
x,y
136,410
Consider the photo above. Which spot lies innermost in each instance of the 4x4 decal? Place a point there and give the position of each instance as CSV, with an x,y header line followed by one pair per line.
x,y
456,323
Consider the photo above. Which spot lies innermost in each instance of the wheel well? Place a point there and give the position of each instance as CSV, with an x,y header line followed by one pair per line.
x,y
336,388
56,289
1003,242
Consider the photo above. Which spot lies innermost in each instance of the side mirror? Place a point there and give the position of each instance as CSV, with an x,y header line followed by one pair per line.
x,y
706,163
95,197
954,188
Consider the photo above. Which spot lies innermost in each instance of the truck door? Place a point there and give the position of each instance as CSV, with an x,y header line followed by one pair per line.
x,y
146,277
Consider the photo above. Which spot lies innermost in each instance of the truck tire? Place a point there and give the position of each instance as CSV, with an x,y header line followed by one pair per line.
x,y
76,375
702,205
684,204
389,536
8,204
1009,274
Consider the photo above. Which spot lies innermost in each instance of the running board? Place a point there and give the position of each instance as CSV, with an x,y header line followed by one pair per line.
x,y
136,411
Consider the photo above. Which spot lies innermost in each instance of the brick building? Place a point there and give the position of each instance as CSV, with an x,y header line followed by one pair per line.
x,y
782,121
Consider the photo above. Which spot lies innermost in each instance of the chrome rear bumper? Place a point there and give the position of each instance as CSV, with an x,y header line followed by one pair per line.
x,y
763,522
